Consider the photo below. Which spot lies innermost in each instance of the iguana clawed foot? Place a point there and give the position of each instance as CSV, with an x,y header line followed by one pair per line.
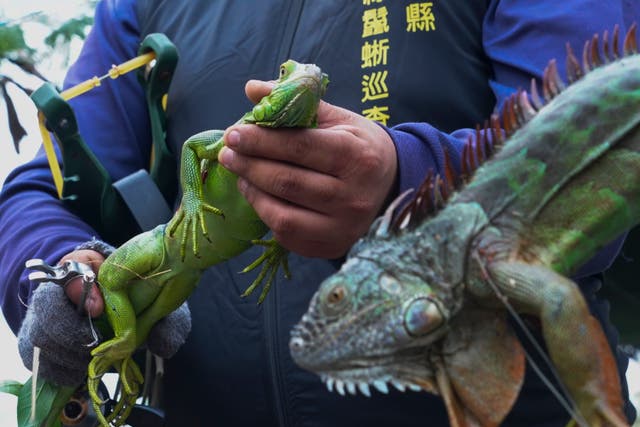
x,y
273,257
104,357
191,217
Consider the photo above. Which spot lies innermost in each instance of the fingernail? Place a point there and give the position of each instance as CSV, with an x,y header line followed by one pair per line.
x,y
233,138
226,157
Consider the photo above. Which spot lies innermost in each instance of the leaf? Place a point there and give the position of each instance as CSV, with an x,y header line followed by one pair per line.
x,y
12,40
50,399
15,128
75,27
11,387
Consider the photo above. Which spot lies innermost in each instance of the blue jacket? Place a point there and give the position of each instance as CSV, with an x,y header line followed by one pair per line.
x,y
440,68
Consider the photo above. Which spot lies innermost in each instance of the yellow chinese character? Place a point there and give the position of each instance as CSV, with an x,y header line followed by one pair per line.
x,y
370,2
420,17
374,86
375,53
378,114
375,22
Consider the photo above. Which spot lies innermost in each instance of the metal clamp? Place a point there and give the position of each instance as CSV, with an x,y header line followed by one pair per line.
x,y
59,274
62,275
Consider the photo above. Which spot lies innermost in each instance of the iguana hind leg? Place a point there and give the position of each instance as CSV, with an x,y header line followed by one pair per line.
x,y
117,275
271,259
576,343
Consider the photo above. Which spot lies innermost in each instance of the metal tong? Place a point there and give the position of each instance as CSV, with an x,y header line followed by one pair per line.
x,y
62,274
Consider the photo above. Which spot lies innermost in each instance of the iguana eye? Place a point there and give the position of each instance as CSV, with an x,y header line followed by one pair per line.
x,y
286,69
334,298
336,295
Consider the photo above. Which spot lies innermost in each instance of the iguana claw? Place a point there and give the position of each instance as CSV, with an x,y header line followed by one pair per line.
x,y
190,218
273,257
114,353
131,379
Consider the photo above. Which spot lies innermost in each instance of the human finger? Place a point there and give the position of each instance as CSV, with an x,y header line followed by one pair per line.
x,y
257,89
303,231
94,303
300,186
324,151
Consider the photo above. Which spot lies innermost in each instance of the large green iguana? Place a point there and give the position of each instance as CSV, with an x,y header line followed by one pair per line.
x,y
422,301
153,273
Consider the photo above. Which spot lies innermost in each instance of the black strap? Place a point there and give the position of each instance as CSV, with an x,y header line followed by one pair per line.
x,y
144,199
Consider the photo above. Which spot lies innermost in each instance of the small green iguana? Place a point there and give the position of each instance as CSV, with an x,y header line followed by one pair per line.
x,y
422,301
153,273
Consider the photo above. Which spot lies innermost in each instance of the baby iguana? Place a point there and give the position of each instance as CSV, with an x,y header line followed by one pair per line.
x,y
153,273
422,301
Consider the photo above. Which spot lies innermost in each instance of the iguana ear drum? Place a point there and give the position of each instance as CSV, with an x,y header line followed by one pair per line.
x,y
422,316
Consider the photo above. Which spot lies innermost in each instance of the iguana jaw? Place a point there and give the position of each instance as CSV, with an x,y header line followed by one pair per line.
x,y
405,370
399,324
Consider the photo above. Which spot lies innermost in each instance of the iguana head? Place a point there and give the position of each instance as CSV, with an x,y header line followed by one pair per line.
x,y
370,325
293,101
394,315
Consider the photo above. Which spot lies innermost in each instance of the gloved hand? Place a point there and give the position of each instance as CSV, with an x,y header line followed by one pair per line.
x,y
53,324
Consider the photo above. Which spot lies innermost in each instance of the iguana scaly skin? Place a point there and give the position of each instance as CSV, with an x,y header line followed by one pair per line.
x,y
420,302
153,274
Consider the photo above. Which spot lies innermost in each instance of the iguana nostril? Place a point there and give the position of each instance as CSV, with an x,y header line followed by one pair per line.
x,y
296,345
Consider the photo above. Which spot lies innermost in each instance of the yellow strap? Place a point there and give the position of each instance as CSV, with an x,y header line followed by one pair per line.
x,y
51,155
115,72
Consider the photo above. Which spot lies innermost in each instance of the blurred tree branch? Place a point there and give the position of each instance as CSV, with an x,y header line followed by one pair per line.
x,y
15,50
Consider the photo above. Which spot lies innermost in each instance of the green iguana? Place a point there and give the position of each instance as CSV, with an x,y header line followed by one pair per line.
x,y
153,273
422,300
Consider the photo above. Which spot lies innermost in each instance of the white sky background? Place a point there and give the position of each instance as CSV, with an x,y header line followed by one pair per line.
x,y
11,367
10,364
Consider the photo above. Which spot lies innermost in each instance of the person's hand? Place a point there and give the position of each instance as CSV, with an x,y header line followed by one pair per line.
x,y
319,189
94,304
66,338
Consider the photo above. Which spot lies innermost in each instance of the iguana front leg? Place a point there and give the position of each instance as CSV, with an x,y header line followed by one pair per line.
x,y
577,346
203,146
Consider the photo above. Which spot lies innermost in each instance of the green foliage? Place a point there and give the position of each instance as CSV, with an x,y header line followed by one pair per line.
x,y
12,41
11,387
15,49
75,27
50,402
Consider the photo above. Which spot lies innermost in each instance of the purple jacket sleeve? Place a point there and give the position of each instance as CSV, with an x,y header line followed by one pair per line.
x,y
519,37
35,224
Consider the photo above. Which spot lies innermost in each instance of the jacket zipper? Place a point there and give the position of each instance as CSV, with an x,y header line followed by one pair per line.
x,y
271,309
273,355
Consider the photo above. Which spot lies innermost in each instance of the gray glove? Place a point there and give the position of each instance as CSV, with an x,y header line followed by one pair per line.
x,y
53,324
